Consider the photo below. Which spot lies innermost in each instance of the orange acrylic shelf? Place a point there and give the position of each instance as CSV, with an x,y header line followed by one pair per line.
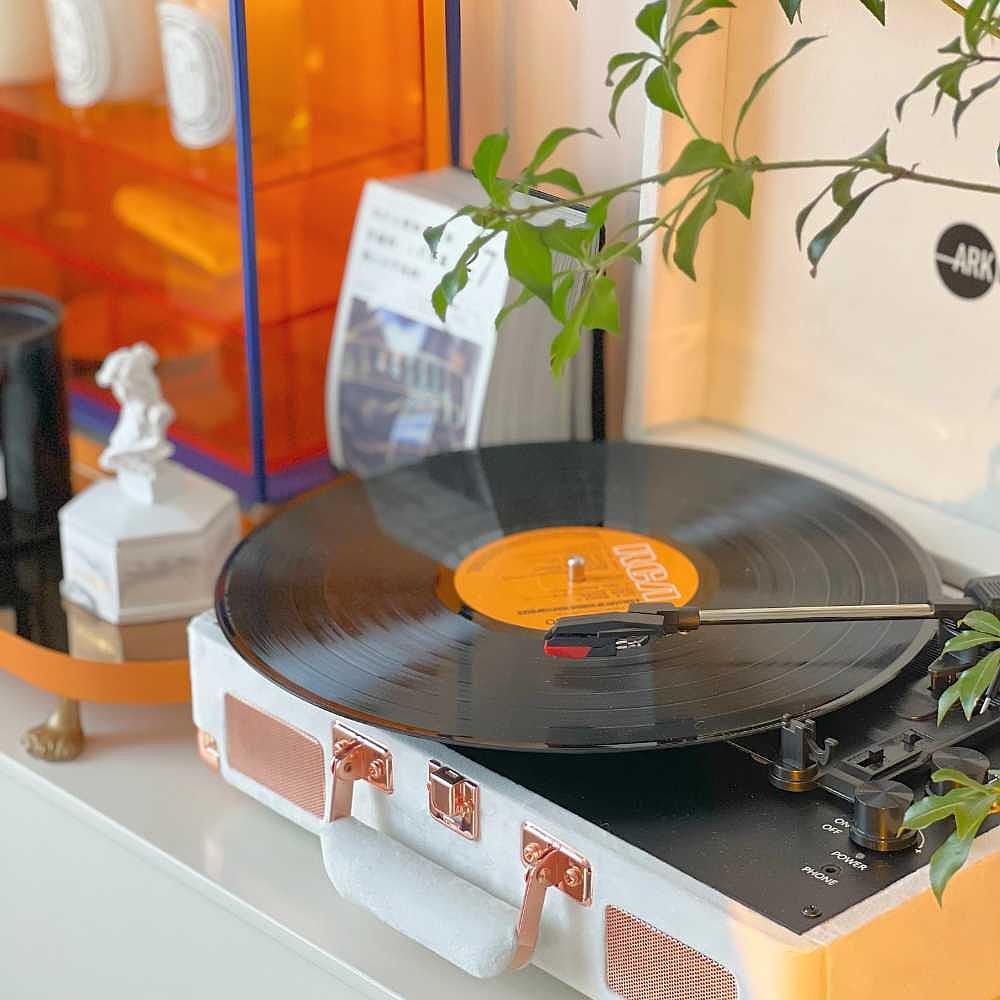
x,y
202,368
141,227
347,112
140,237
330,84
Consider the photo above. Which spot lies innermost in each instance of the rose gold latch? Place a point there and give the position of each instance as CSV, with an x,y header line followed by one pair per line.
x,y
550,864
453,800
356,759
208,749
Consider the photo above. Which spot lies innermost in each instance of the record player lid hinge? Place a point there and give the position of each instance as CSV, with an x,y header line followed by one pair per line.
x,y
356,759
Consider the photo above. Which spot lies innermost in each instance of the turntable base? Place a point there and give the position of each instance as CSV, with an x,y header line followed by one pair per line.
x,y
195,883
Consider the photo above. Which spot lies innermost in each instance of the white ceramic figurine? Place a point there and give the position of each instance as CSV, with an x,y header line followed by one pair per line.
x,y
147,545
138,444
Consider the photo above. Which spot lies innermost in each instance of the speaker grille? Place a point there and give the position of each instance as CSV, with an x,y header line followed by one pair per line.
x,y
275,755
643,963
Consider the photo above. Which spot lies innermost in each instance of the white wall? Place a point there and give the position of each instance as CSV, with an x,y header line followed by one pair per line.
x,y
874,365
532,65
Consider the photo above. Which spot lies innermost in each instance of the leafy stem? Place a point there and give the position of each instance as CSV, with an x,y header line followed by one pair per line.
x,y
667,53
969,803
893,170
713,172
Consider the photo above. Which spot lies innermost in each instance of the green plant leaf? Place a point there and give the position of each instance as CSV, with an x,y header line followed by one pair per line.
x,y
761,81
597,214
960,778
983,621
736,189
963,105
954,47
950,79
877,7
433,234
487,159
947,700
448,287
791,8
803,216
973,22
615,250
969,817
649,20
561,178
668,236
705,28
567,342
967,640
820,243
924,83
878,151
973,683
574,4
620,59
621,88
659,91
698,155
569,240
602,306
706,5
689,231
946,861
523,299
561,289
551,143
932,809
529,260
841,187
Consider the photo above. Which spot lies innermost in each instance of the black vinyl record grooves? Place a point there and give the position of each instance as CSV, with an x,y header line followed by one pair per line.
x,y
416,602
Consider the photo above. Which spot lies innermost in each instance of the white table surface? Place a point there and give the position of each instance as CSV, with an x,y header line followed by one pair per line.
x,y
135,872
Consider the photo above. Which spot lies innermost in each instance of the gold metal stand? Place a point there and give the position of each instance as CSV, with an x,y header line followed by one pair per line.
x,y
60,737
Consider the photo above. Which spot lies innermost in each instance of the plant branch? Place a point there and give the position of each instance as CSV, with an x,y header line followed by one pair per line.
x,y
668,63
892,170
961,11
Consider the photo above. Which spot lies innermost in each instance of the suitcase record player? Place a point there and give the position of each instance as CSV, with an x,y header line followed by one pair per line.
x,y
713,816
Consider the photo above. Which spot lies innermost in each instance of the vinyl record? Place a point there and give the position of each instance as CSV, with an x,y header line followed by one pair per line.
x,y
417,600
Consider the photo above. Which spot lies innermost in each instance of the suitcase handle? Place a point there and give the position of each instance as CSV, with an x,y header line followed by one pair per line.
x,y
433,906
457,920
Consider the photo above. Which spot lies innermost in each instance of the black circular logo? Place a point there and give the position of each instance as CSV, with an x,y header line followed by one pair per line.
x,y
966,261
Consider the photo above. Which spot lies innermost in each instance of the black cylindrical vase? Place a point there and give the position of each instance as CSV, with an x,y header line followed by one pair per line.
x,y
34,437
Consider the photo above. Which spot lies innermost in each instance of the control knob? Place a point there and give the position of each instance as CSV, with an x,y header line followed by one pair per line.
x,y
969,762
879,807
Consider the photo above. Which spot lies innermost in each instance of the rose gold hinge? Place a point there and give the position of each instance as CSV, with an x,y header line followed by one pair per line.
x,y
550,864
208,749
356,759
453,800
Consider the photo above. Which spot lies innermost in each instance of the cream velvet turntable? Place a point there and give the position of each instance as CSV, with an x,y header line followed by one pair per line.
x,y
379,677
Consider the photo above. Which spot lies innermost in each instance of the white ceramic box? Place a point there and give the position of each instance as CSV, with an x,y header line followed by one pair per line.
x,y
130,562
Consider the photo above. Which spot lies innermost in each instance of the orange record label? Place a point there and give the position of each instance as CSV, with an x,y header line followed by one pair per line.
x,y
535,577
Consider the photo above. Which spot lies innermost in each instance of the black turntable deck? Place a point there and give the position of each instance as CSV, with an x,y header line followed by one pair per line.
x,y
710,811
